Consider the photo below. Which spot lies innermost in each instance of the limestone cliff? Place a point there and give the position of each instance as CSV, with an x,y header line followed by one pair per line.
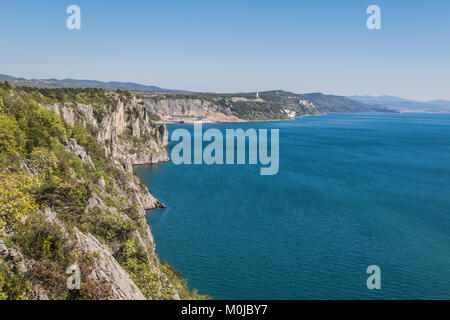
x,y
267,105
204,107
91,208
189,110
124,128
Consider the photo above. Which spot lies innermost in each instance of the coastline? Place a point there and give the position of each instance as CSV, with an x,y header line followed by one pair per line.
x,y
177,210
294,118
238,121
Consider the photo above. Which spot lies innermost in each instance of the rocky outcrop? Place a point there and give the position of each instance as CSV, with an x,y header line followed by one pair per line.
x,y
124,128
107,269
163,134
4,252
189,110
13,256
143,197
76,149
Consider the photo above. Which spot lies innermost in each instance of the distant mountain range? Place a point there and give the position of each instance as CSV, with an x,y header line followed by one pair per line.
x,y
400,104
72,83
335,104
303,103
312,102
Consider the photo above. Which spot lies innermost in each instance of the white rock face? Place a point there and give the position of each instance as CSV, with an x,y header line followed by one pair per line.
x,y
3,249
130,118
76,149
163,135
189,110
108,269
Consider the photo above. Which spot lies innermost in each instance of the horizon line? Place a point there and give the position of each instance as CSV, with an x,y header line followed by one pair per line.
x,y
223,92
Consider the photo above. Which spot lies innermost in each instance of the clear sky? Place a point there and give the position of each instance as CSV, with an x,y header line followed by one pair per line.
x,y
235,45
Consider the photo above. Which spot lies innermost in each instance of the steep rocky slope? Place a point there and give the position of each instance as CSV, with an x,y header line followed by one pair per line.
x,y
187,107
68,196
268,105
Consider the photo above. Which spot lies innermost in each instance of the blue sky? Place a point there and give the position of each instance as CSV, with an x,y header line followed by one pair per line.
x,y
235,46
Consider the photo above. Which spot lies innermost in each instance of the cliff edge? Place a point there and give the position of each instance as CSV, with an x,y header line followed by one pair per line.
x,y
69,196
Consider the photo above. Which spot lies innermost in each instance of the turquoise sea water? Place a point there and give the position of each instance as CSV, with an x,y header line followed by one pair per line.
x,y
353,190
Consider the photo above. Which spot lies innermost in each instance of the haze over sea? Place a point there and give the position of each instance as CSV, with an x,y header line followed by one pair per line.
x,y
353,190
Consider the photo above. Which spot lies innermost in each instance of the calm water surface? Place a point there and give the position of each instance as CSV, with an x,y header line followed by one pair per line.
x,y
353,190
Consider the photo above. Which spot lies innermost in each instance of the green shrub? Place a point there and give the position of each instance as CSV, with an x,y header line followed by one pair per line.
x,y
44,160
41,127
12,139
39,239
12,285
16,198
80,134
134,261
68,199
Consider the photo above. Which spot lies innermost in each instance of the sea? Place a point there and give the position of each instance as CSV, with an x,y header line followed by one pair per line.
x,y
352,191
